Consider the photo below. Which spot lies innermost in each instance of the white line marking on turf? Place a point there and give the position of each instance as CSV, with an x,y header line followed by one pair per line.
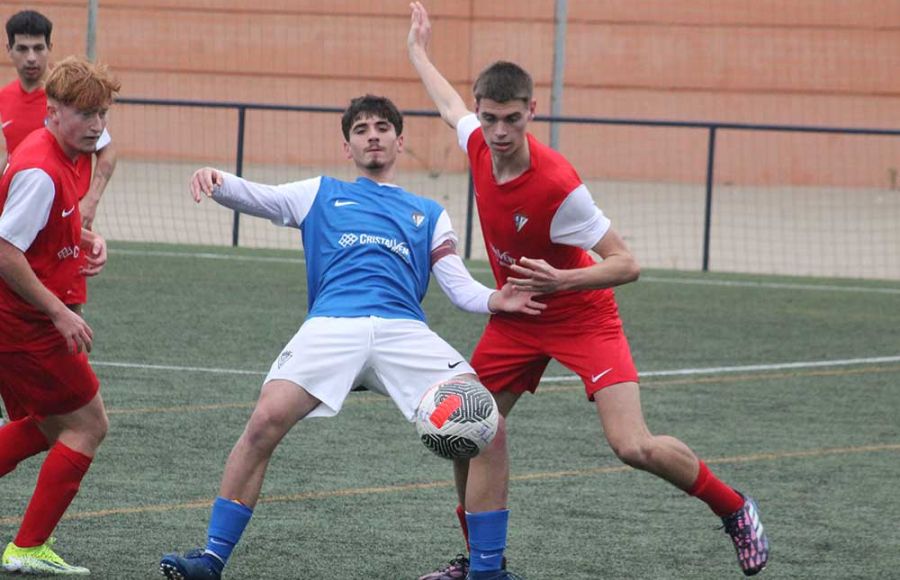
x,y
221,371
653,279
207,256
771,285
561,379
745,368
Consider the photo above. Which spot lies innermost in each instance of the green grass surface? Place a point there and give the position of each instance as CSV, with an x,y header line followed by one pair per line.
x,y
358,496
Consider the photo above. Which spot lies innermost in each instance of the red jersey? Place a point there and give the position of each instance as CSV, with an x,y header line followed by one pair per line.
x,y
516,219
39,214
21,113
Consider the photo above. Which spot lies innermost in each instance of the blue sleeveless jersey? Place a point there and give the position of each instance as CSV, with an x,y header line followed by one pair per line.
x,y
368,250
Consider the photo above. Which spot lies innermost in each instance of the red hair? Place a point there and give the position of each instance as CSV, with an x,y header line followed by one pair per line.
x,y
81,84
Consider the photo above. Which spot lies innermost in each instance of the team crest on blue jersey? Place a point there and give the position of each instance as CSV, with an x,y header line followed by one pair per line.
x,y
521,220
418,218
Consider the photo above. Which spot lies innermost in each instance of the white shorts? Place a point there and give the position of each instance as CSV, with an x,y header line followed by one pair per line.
x,y
328,357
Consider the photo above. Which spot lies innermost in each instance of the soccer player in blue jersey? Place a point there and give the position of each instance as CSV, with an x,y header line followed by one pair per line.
x,y
370,248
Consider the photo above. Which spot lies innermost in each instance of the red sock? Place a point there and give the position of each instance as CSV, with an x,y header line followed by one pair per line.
x,y
461,514
57,484
719,497
19,440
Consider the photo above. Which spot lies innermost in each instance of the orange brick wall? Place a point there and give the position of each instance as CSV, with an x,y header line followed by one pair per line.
x,y
755,61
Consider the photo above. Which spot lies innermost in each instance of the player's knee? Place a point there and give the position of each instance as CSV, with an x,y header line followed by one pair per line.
x,y
635,452
91,433
266,427
101,428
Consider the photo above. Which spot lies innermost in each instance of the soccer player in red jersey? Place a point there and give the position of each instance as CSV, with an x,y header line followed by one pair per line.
x,y
23,109
43,343
539,222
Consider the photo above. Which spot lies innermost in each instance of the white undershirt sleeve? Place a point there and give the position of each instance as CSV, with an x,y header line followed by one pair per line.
x,y
464,291
284,205
443,231
464,129
578,221
27,207
104,140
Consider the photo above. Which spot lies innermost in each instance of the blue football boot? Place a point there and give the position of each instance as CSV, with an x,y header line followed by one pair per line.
x,y
194,565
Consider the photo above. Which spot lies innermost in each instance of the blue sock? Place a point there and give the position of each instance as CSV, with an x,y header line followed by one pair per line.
x,y
226,524
487,539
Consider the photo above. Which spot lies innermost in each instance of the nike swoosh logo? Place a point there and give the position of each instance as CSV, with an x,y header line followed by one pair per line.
x,y
68,212
489,556
340,203
596,378
454,365
6,124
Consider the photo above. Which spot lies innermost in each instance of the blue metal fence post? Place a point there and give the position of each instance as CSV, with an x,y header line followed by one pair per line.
x,y
239,171
707,220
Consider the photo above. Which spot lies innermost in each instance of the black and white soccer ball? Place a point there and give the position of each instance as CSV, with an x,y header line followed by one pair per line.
x,y
457,418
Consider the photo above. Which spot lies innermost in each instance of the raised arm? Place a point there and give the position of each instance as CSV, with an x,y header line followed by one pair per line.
x,y
449,103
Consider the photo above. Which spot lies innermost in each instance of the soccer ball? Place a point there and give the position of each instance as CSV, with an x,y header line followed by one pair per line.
x,y
457,418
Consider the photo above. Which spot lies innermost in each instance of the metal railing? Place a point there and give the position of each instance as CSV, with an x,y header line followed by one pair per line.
x,y
712,127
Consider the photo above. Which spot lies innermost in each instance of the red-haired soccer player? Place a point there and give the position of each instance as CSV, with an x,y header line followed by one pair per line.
x,y
43,343
539,221
23,109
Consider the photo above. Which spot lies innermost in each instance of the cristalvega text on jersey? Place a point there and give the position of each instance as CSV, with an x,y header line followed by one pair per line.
x,y
400,248
503,257
68,252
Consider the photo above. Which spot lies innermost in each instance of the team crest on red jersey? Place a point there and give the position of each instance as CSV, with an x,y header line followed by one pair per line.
x,y
418,218
521,220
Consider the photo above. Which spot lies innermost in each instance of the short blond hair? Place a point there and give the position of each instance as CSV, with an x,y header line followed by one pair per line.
x,y
81,84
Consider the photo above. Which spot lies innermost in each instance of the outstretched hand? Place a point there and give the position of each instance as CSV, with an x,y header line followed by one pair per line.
x,y
510,299
419,29
537,276
204,181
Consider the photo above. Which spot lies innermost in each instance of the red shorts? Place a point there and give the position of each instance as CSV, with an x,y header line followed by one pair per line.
x,y
512,356
46,383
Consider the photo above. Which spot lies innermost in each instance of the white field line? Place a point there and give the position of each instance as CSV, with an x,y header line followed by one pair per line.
x,y
558,379
653,279
176,368
771,285
206,256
